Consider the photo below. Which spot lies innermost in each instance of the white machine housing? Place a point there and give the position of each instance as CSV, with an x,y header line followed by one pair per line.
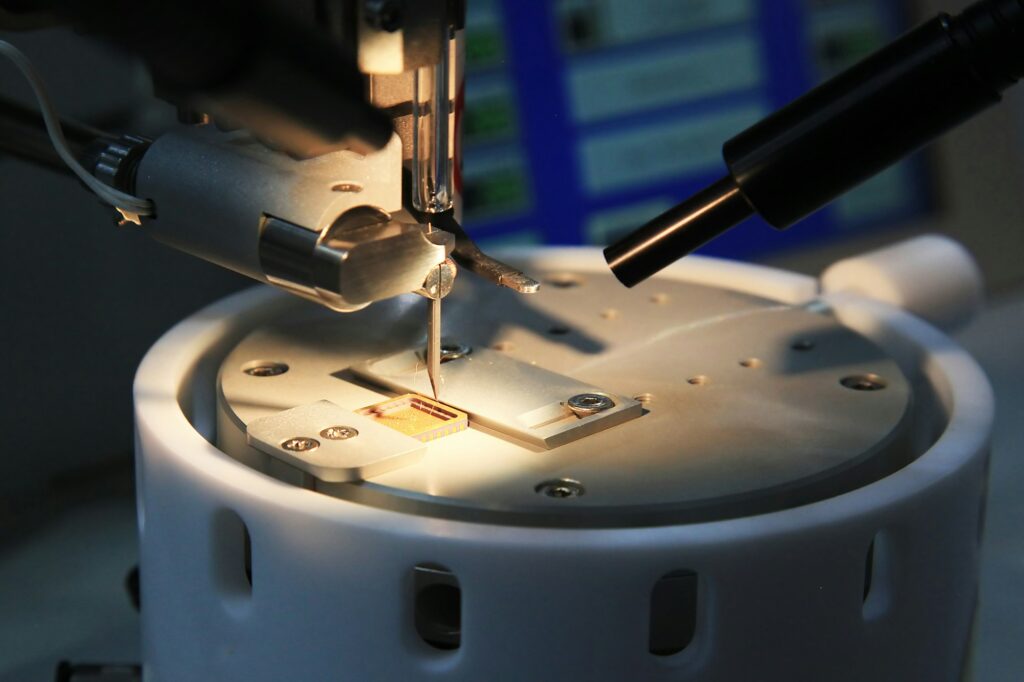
x,y
329,592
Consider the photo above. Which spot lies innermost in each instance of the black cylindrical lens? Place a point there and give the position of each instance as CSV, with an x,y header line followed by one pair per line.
x,y
677,232
843,132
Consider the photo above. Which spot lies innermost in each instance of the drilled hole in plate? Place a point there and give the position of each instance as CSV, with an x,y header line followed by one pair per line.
x,y
750,363
262,368
504,346
560,488
351,187
803,345
564,280
863,382
644,398
660,298
610,314
699,380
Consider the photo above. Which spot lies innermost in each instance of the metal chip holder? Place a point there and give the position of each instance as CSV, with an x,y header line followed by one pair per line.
x,y
531,404
540,408
331,443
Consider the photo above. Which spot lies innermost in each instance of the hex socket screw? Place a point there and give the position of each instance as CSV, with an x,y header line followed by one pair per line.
x,y
585,404
339,433
300,444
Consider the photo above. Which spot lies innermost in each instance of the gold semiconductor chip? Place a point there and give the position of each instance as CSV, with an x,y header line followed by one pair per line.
x,y
414,415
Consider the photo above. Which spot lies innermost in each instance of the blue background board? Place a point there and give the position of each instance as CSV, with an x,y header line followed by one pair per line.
x,y
528,182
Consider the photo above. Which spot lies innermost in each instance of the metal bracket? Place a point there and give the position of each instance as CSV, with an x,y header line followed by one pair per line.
x,y
331,443
532,405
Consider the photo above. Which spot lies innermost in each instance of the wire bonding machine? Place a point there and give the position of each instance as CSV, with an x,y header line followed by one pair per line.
x,y
726,472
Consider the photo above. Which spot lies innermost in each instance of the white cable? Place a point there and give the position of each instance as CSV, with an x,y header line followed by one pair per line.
x,y
120,200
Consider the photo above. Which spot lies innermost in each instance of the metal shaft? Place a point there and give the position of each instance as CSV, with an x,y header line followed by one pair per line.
x,y
432,167
433,173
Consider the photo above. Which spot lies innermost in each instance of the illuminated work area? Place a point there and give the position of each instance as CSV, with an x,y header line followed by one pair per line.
x,y
485,414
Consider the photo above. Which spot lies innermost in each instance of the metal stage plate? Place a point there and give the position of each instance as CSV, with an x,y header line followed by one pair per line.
x,y
749,406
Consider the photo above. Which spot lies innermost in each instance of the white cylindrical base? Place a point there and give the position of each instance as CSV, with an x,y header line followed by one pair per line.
x,y
331,595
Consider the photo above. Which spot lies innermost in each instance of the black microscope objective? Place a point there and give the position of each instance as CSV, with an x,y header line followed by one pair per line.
x,y
843,132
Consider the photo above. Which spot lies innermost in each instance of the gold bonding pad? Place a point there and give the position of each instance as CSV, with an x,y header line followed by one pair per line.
x,y
417,416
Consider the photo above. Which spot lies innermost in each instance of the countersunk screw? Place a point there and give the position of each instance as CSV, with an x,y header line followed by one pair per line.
x,y
560,488
863,382
266,369
339,433
300,444
454,351
586,404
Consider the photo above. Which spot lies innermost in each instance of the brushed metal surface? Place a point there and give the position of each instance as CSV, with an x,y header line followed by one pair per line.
x,y
372,450
533,409
745,411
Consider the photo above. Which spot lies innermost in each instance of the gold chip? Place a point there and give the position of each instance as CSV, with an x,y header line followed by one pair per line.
x,y
417,416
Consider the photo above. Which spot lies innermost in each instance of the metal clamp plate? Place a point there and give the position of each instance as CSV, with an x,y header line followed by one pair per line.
x,y
532,405
332,443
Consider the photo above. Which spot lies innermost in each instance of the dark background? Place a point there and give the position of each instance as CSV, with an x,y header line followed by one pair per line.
x,y
83,299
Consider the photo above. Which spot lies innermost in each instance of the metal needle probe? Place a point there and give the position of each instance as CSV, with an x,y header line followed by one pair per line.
x,y
434,340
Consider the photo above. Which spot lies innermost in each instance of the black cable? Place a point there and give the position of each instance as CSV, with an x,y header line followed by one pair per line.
x,y
23,135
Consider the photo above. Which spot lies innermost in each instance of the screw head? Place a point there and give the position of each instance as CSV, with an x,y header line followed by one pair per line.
x,y
440,280
560,488
454,351
339,433
300,444
586,404
863,382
